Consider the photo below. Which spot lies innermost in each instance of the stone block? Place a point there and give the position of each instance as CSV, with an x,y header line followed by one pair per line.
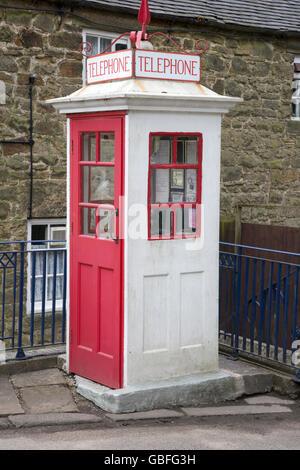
x,y
47,399
30,38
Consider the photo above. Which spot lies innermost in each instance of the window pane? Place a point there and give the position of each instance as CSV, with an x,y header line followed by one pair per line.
x,y
190,186
161,222
173,185
121,47
88,221
105,228
38,232
107,147
98,184
104,43
187,149
93,40
88,151
161,149
185,220
59,288
38,290
59,262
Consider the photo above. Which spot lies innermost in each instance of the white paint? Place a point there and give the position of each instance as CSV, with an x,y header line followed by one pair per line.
x,y
170,291
167,66
111,66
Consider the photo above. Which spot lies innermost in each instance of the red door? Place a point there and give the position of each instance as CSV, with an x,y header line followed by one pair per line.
x,y
95,249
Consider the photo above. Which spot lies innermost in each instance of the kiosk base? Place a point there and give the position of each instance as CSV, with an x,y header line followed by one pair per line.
x,y
213,387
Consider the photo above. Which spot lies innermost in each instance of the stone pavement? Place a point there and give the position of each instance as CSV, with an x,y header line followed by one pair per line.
x,y
49,397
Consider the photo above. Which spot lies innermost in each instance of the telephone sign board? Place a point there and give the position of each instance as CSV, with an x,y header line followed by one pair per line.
x,y
167,66
143,64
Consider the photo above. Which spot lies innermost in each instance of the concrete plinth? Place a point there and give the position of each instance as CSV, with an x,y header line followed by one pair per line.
x,y
196,390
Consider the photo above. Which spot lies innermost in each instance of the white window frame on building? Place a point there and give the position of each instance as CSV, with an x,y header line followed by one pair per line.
x,y
52,226
296,90
103,40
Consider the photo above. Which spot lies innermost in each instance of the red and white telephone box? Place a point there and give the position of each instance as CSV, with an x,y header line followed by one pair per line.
x,y
144,181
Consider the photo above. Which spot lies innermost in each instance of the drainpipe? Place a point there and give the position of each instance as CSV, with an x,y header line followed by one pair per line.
x,y
31,143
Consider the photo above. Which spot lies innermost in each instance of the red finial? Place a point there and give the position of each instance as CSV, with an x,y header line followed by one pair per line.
x,y
144,16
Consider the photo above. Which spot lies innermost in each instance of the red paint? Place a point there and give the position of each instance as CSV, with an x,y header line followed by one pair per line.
x,y
96,268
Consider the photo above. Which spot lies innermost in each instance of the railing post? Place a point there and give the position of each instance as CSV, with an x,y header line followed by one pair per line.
x,y
297,338
235,354
20,353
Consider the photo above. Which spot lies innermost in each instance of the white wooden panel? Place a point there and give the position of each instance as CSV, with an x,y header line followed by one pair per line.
x,y
191,309
155,325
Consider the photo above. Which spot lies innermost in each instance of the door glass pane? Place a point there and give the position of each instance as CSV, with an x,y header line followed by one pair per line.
x,y
93,40
187,149
161,149
88,221
97,184
88,142
105,228
107,147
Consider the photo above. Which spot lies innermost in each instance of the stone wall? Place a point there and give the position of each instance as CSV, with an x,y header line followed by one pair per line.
x,y
260,144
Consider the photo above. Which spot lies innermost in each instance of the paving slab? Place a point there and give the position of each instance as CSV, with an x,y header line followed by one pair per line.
x,y
142,415
9,403
4,423
236,410
47,399
268,400
37,378
52,419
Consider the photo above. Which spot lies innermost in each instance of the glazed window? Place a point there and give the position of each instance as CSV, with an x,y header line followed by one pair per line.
x,y
99,42
296,90
46,266
174,194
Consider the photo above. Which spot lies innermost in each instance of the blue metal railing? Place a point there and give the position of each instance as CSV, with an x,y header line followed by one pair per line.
x,y
259,306
33,280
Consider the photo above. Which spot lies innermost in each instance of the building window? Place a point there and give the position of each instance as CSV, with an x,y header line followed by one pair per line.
x,y
99,42
296,90
174,194
44,266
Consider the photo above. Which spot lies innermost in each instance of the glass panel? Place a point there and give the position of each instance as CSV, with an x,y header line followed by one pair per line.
x,y
38,290
59,263
105,228
59,288
88,221
161,149
121,47
190,186
88,151
161,222
185,220
187,149
38,232
97,184
107,147
104,43
173,185
93,40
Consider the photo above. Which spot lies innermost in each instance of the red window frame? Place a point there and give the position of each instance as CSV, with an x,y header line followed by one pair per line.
x,y
174,205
